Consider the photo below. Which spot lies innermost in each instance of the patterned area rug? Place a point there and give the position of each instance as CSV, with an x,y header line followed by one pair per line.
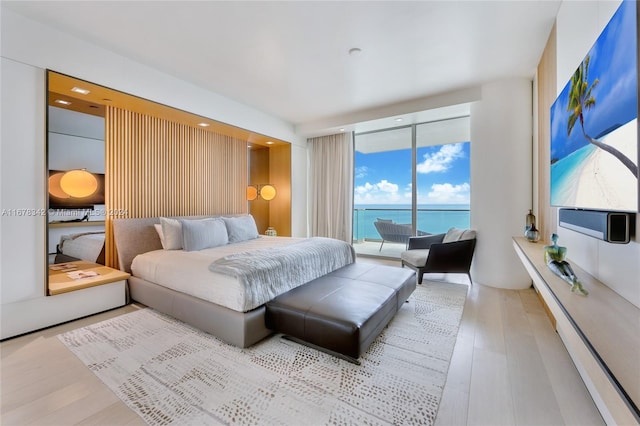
x,y
171,373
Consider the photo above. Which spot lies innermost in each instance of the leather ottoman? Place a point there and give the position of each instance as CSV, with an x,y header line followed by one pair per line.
x,y
344,311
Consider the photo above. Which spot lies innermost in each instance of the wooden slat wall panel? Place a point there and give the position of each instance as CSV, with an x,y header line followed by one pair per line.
x,y
546,215
155,167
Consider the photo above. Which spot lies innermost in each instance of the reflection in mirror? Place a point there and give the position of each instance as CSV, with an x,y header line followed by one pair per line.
x,y
76,182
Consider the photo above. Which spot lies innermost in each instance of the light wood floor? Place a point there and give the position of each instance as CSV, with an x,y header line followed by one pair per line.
x,y
508,367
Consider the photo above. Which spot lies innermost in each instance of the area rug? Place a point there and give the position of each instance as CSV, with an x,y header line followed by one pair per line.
x,y
171,373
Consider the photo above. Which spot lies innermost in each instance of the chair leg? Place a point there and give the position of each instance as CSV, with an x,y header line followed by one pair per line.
x,y
380,249
470,280
420,274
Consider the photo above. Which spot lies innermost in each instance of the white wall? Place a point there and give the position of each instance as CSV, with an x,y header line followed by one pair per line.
x,y
618,266
76,141
28,48
22,183
501,185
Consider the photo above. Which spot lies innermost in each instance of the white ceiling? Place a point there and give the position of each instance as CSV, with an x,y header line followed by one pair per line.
x,y
291,60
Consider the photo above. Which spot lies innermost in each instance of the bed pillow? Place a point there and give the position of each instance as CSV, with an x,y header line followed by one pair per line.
x,y
202,234
455,234
241,228
159,231
172,233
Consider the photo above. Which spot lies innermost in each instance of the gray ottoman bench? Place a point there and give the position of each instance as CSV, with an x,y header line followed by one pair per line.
x,y
344,311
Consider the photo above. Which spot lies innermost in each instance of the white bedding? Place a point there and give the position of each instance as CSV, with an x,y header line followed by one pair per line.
x,y
188,271
86,246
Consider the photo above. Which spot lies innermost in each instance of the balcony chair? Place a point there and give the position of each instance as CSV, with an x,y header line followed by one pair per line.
x,y
394,232
442,253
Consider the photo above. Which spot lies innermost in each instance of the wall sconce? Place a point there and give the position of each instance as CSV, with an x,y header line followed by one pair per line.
x,y
75,183
266,192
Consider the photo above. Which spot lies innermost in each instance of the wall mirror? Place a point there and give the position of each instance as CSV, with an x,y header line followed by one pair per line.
x,y
88,137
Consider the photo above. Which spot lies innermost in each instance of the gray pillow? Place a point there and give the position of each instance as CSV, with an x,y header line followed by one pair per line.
x,y
202,234
241,228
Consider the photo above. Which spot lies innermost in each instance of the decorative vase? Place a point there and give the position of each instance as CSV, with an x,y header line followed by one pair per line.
x,y
532,234
530,220
271,232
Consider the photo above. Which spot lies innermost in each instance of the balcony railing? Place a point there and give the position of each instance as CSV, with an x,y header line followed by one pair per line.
x,y
431,220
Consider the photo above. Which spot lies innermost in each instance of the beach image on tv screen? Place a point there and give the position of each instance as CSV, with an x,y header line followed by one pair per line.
x,y
594,130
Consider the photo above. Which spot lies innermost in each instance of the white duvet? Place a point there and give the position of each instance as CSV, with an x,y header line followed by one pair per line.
x,y
85,246
188,271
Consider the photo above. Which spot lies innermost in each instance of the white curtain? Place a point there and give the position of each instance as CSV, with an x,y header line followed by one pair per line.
x,y
331,186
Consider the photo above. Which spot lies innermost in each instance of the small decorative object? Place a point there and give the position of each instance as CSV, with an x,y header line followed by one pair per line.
x,y
532,234
271,232
554,258
530,220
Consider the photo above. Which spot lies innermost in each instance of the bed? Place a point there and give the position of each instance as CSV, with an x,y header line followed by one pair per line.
x,y
193,286
81,246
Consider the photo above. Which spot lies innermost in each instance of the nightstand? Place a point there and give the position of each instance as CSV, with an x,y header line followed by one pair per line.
x,y
61,276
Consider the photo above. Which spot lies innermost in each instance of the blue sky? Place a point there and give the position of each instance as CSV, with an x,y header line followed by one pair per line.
x,y
613,61
442,173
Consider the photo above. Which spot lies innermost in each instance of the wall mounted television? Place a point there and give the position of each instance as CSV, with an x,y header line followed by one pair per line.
x,y
594,123
62,202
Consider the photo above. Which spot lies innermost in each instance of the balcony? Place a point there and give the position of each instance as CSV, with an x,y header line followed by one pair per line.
x,y
367,241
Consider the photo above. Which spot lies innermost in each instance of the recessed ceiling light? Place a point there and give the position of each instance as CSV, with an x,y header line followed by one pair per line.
x,y
62,102
107,100
270,142
342,130
203,124
249,146
354,51
398,119
80,90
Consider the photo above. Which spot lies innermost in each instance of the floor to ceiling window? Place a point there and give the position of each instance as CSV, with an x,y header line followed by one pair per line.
x,y
410,180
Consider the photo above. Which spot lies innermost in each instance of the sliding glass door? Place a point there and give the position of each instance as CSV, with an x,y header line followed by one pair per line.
x,y
443,175
410,180
382,190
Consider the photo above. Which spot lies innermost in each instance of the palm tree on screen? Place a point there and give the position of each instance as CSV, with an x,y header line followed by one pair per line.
x,y
581,100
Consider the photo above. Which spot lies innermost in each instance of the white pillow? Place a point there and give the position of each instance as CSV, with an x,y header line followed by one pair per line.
x,y
159,231
455,234
202,234
172,232
241,228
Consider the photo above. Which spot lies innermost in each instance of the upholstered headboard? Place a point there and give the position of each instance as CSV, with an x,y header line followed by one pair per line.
x,y
138,235
133,237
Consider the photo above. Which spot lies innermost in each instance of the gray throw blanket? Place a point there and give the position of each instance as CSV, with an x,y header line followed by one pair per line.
x,y
267,273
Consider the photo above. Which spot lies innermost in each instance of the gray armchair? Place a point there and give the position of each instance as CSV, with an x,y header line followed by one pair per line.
x,y
442,253
394,232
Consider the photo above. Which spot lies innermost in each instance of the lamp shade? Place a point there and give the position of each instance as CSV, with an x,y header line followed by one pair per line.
x,y
268,192
78,183
252,192
54,186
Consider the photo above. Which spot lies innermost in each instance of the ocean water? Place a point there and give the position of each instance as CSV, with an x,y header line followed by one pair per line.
x,y
434,219
565,173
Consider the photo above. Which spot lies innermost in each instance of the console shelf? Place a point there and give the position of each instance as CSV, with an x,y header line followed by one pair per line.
x,y
600,331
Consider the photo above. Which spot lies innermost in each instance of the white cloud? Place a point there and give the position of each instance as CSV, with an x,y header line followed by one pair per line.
x,y
441,160
446,193
361,172
383,192
386,186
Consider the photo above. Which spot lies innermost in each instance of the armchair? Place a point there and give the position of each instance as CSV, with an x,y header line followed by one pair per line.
x,y
450,252
394,232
